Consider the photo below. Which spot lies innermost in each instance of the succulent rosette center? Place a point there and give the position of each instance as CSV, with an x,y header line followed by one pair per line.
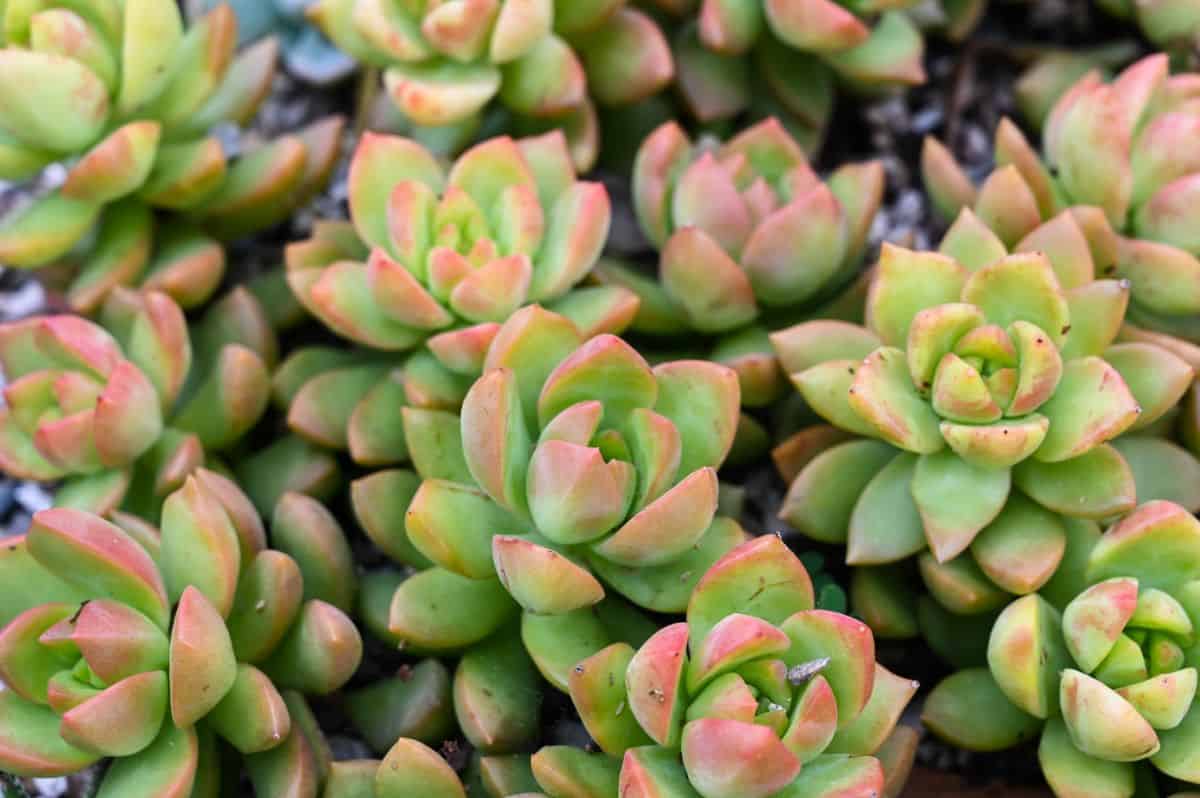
x,y
989,376
583,458
1001,391
74,403
749,226
762,701
974,374
508,226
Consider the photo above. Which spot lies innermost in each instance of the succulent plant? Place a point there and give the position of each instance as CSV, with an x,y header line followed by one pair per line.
x,y
130,95
621,449
574,461
783,57
453,255
870,44
756,694
492,694
1102,665
1123,169
432,607
307,54
750,239
167,650
126,413
445,62
984,397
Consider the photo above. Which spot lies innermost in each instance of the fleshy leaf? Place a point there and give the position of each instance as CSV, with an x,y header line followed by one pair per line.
x,y
1068,768
725,758
1098,484
956,499
598,690
412,768
735,584
887,504
906,283
969,710
702,400
884,395
491,687
1020,287
200,547
1092,405
541,579
122,719
820,504
100,558
657,671
850,645
1102,723
1158,544
30,743
667,527
422,616
166,768
1026,653
202,667
1022,548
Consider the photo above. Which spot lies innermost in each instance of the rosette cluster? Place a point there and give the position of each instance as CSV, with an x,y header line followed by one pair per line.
x,y
986,398
756,694
123,411
549,61
165,649
130,94
576,464
1103,665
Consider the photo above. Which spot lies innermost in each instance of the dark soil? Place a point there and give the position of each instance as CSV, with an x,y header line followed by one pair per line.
x,y
928,783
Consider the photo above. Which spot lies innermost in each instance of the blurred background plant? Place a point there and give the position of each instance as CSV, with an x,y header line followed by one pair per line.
x,y
307,55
